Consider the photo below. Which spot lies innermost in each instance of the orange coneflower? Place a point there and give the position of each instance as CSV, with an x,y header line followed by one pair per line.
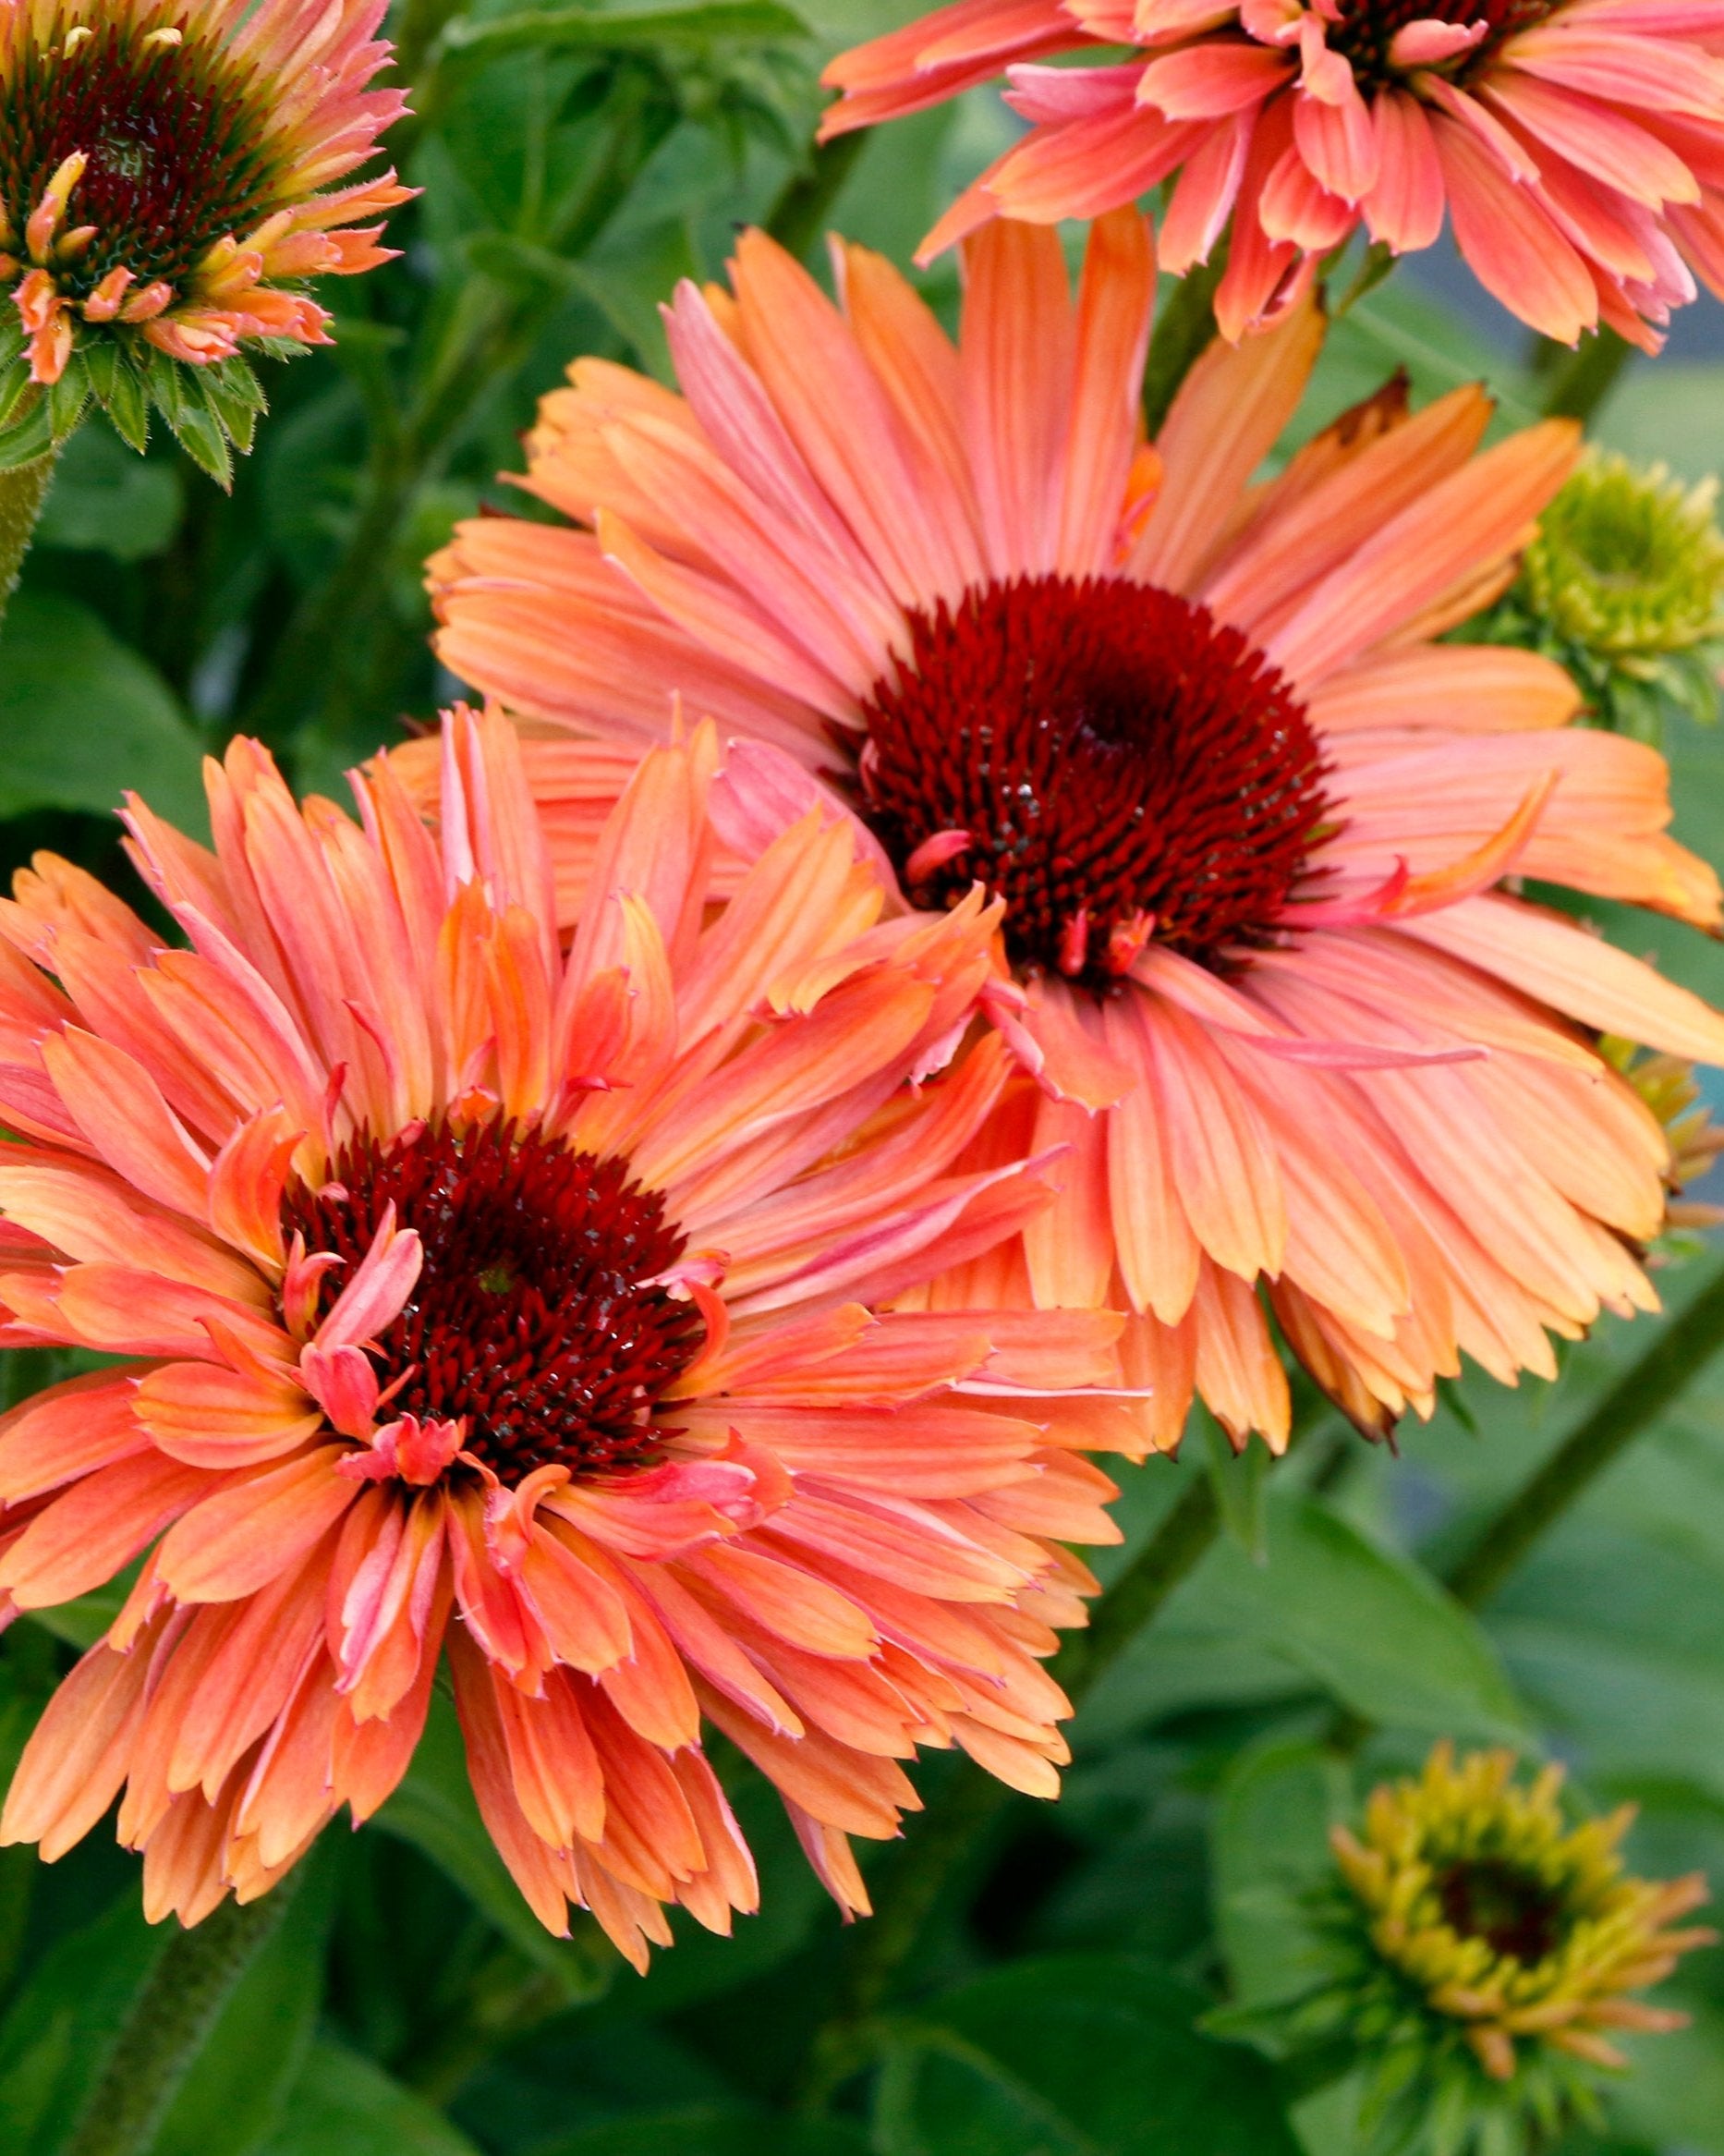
x,y
524,1308
166,169
1577,145
1247,817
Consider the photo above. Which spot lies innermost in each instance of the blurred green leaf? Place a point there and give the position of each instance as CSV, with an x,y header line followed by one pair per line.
x,y
435,1809
616,30
343,2105
56,2039
1675,2094
84,717
1074,2055
107,499
1269,1847
1358,1618
705,2133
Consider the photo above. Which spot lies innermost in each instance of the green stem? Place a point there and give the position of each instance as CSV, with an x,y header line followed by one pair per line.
x,y
1186,326
1581,380
1676,1355
23,489
949,1832
795,219
161,2038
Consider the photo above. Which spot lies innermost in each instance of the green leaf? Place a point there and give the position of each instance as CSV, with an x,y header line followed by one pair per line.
x,y
83,716
434,1808
28,438
707,2133
343,2105
237,2089
1237,1481
1269,1847
542,29
105,499
57,2035
1362,1621
82,1623
1074,2055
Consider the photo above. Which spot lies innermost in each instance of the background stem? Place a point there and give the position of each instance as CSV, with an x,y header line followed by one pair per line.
x,y
1187,325
23,489
1582,379
169,2021
807,198
1677,1353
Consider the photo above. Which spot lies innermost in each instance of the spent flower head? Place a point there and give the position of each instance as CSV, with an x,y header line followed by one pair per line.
x,y
165,194
1624,586
1492,1952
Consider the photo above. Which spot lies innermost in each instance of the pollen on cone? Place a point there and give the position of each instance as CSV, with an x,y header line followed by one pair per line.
x,y
553,1310
1312,1067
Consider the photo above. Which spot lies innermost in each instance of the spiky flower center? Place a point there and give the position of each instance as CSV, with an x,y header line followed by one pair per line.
x,y
179,152
1514,1912
536,1320
1366,29
1108,759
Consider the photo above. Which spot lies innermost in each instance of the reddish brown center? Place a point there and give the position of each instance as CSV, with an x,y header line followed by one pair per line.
x,y
1367,28
179,155
1487,1899
1121,766
535,1316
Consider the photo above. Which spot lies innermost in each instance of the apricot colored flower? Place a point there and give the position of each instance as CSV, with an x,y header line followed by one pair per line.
x,y
167,170
484,1302
1577,146
1247,817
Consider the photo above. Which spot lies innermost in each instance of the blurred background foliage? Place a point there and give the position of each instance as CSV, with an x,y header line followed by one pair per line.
x,y
575,160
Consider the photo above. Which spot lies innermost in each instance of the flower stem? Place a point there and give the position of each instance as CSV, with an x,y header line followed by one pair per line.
x,y
955,1821
161,2038
23,489
808,196
1581,380
1187,325
1676,1355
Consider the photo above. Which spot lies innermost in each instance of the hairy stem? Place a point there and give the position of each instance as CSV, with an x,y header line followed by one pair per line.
x,y
1581,380
1676,1354
941,1841
170,2020
23,489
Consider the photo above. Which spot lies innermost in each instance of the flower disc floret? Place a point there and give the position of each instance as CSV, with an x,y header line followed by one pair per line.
x,y
1117,765
540,1321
